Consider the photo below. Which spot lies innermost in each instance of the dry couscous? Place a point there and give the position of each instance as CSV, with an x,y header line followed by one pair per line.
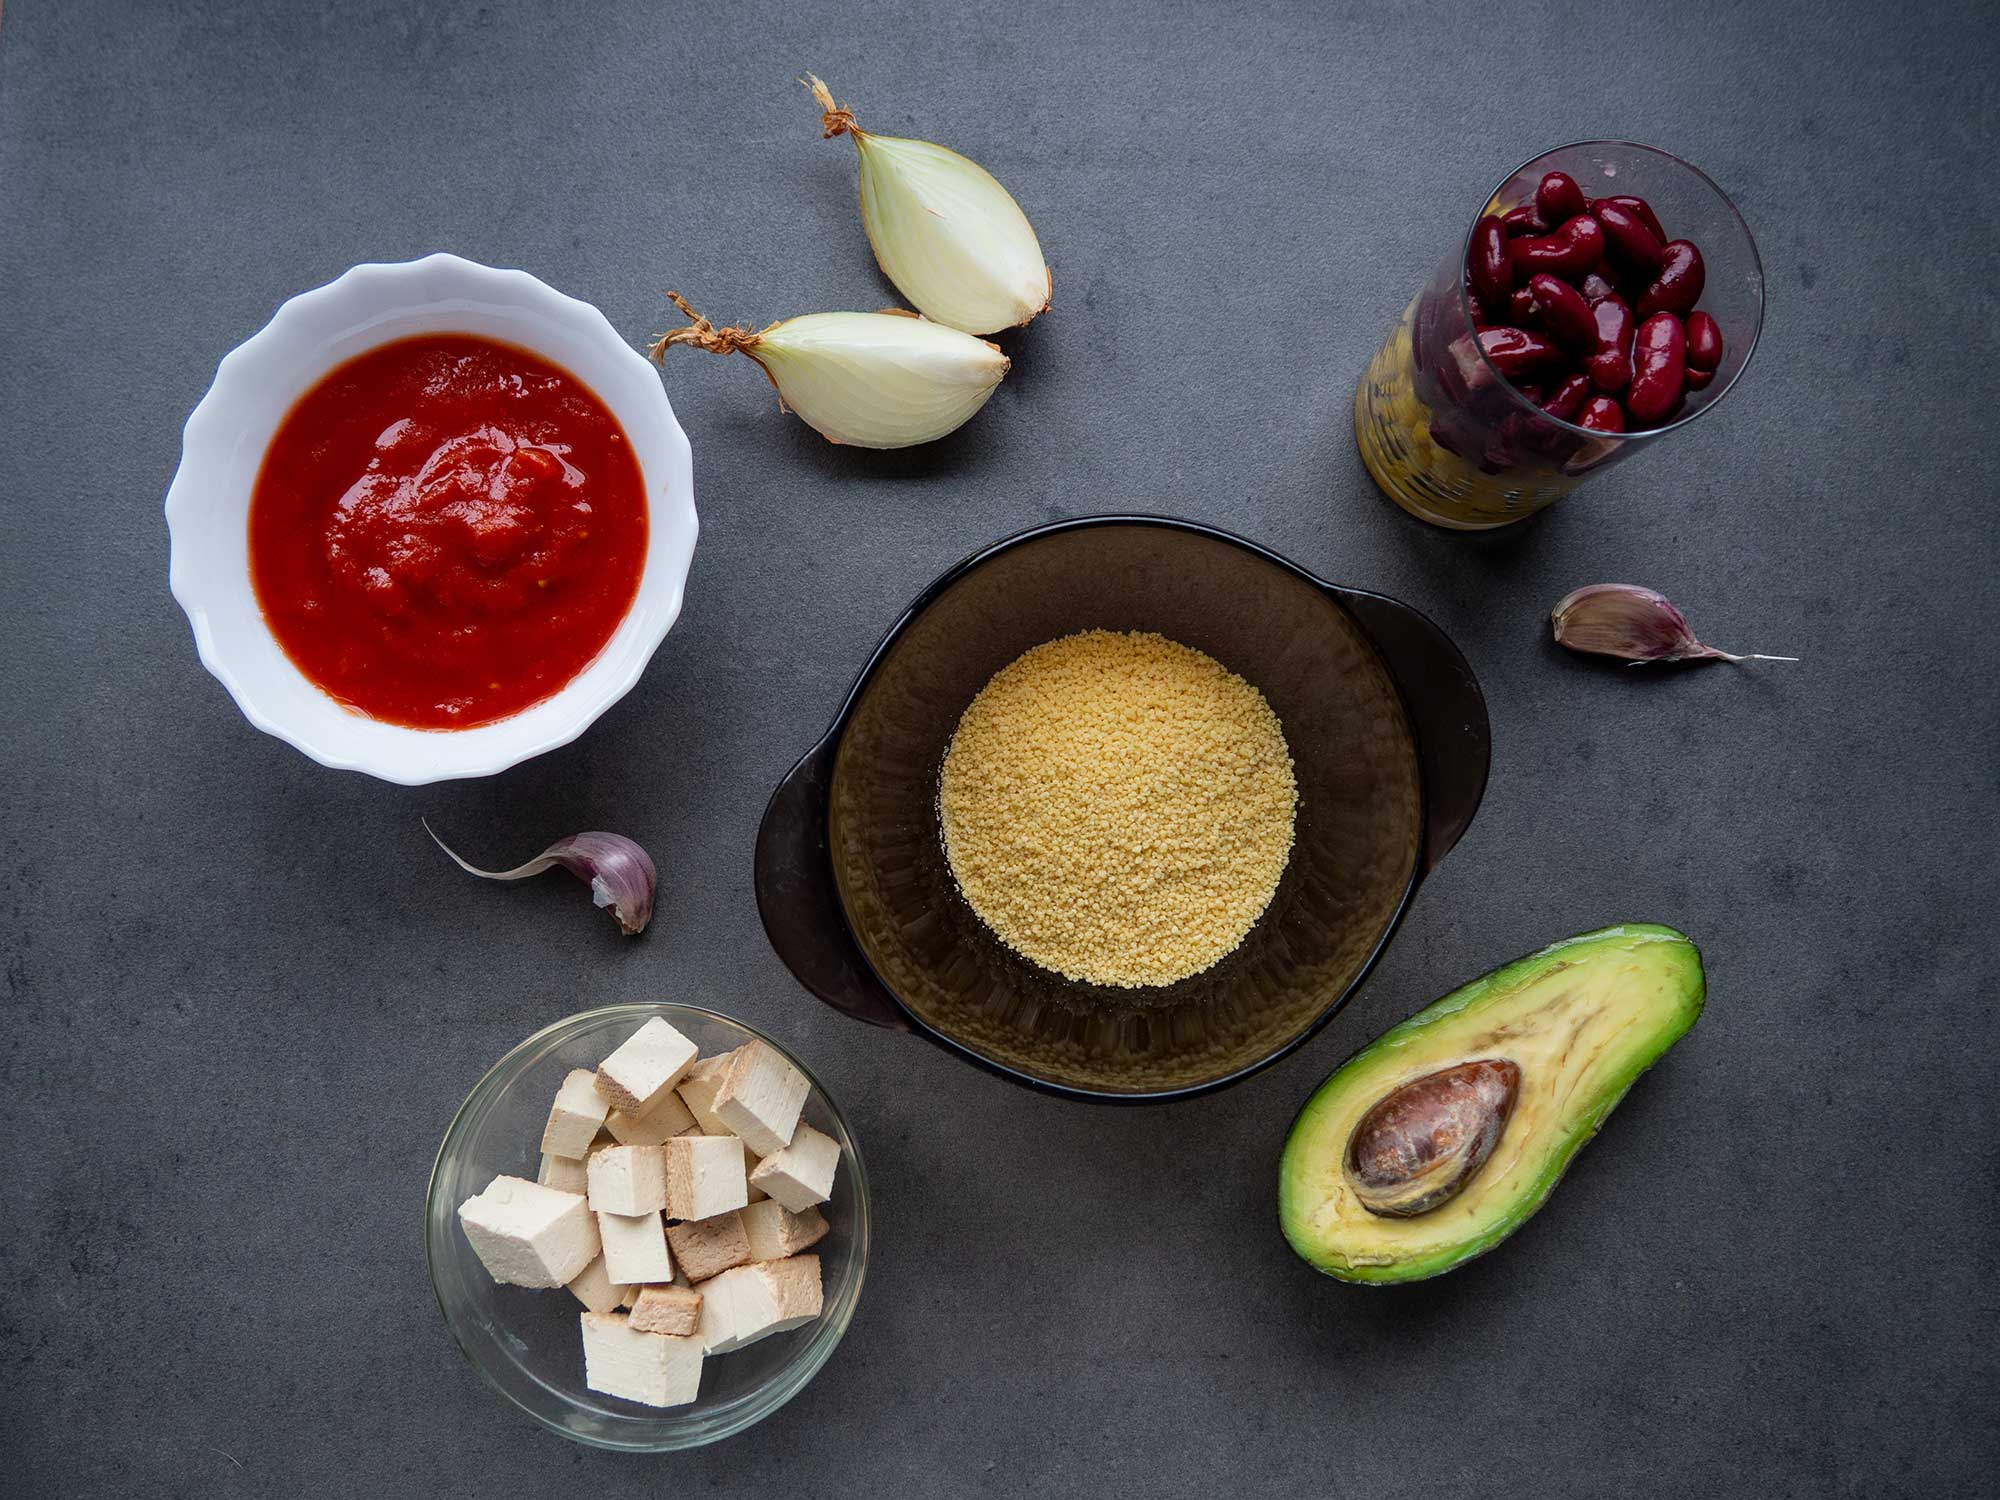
x,y
1118,807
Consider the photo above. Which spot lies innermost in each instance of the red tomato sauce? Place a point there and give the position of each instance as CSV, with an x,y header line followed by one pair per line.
x,y
446,530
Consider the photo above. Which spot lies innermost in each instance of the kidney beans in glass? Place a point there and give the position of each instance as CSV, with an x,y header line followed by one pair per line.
x,y
1638,206
1566,400
1563,311
1601,414
1573,250
1659,369
1516,351
1592,321
1704,336
1679,284
1558,199
1489,264
1630,243
1609,365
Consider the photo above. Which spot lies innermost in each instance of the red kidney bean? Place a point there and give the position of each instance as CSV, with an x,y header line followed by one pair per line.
x,y
1558,199
1564,312
1601,414
1477,309
1659,369
1523,220
1595,288
1531,389
1610,367
1521,306
1566,400
1640,207
1704,336
1571,252
1628,239
1679,285
1698,379
1488,263
1516,351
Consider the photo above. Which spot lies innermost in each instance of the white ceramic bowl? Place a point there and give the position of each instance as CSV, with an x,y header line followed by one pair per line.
x,y
208,506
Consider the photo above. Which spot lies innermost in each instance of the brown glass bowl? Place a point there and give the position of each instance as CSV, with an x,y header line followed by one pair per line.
x,y
1388,734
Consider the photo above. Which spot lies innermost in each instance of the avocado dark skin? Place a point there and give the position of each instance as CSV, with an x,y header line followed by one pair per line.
x,y
1442,1137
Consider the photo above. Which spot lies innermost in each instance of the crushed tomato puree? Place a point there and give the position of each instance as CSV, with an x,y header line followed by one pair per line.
x,y
446,530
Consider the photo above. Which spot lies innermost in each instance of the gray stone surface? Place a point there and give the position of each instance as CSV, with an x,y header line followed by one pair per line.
x,y
242,995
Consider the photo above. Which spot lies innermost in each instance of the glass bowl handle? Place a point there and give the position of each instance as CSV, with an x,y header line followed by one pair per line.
x,y
800,906
1447,712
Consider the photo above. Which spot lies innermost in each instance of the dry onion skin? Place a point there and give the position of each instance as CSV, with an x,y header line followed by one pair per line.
x,y
870,380
944,230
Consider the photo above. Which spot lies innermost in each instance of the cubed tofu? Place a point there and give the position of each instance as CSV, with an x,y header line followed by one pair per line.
x,y
631,1296
575,1117
708,1247
699,1088
628,1180
666,1119
667,1309
759,1097
705,1175
657,1369
802,1174
775,1232
529,1235
563,1174
635,1248
595,1289
753,1192
647,1064
752,1302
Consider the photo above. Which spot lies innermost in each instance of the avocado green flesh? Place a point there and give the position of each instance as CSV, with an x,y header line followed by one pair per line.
x,y
1582,1019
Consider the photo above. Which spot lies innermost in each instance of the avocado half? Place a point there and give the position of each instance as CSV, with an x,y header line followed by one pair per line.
x,y
1581,1020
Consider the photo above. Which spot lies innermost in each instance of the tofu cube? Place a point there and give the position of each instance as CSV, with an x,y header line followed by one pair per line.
x,y
666,1119
529,1235
667,1309
752,1302
575,1117
656,1369
750,1160
627,1180
708,1247
595,1289
775,1232
698,1090
635,1248
647,1064
562,1174
631,1296
759,1097
800,1175
705,1175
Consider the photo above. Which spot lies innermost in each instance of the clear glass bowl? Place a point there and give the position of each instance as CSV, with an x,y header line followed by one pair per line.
x,y
526,1342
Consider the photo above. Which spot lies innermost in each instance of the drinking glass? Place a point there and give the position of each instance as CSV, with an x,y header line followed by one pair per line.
x,y
1453,441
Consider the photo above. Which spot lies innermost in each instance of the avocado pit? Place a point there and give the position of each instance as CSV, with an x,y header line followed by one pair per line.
x,y
1420,1144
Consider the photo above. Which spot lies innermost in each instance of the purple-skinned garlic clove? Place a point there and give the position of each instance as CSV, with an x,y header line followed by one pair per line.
x,y
620,874
1634,624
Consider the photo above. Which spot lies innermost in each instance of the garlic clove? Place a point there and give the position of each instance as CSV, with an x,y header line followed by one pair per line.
x,y
943,229
620,873
1634,624
871,380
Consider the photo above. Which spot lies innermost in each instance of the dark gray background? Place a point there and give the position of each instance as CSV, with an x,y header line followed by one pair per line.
x,y
243,994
